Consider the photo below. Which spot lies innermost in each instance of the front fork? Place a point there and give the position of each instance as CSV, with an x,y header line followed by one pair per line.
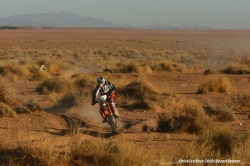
x,y
104,110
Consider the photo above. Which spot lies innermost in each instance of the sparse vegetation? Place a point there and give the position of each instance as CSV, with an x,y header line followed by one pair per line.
x,y
168,66
6,111
157,81
6,92
84,82
210,71
217,84
238,66
221,113
56,84
99,151
138,90
240,100
185,116
129,68
41,76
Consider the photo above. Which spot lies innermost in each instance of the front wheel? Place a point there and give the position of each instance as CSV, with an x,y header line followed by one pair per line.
x,y
112,123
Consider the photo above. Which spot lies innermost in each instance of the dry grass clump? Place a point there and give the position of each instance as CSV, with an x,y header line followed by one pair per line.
x,y
19,156
7,100
221,113
28,107
85,82
167,66
238,66
30,149
210,71
54,68
138,90
241,100
128,68
13,69
84,85
225,114
6,92
138,94
55,84
216,84
142,95
222,142
235,69
183,115
41,75
78,151
6,111
102,152
139,67
217,143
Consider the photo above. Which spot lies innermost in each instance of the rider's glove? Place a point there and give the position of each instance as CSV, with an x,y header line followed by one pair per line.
x,y
93,103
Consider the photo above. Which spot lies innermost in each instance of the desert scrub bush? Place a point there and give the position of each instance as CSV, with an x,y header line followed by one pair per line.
x,y
167,66
28,152
217,84
225,114
241,149
54,68
235,69
220,141
182,115
102,152
6,92
238,66
84,81
138,90
210,71
28,107
83,85
137,94
41,75
10,70
18,156
128,68
6,111
240,100
221,113
55,84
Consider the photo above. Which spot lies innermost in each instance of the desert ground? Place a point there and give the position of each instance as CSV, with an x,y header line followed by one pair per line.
x,y
183,96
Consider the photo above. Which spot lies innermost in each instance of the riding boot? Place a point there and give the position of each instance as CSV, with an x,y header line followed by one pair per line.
x,y
116,115
104,120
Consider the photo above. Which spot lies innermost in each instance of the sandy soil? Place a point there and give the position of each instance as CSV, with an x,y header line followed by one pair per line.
x,y
54,122
57,118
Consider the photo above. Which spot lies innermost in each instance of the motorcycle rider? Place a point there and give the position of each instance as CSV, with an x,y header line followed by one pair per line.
x,y
105,88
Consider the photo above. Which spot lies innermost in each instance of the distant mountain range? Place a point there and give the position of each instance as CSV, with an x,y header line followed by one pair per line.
x,y
74,20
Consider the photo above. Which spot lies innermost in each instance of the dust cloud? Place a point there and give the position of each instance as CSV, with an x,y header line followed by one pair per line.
x,y
90,111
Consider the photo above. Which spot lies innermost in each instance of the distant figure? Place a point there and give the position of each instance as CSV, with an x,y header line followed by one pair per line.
x,y
43,68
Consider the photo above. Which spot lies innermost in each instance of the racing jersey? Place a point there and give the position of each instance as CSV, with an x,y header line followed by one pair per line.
x,y
107,89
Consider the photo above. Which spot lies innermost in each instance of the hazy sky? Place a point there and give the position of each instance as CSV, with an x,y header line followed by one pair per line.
x,y
212,13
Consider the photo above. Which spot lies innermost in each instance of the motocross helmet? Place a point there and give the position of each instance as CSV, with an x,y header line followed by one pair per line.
x,y
100,80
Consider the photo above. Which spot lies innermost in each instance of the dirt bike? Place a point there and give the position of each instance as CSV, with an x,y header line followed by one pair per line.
x,y
107,113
